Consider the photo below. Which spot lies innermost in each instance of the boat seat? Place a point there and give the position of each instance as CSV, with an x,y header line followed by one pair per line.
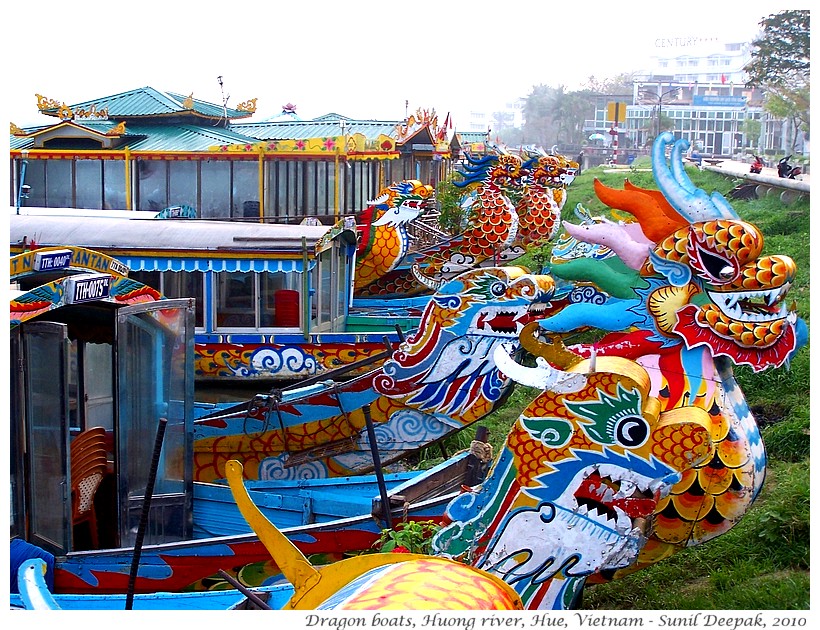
x,y
89,465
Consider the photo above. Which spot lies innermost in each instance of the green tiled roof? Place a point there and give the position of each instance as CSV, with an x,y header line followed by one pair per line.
x,y
149,102
472,136
320,128
158,121
182,137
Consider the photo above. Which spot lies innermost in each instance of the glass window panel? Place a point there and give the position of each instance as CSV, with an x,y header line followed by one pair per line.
x,y
215,189
46,406
99,386
235,300
245,189
36,178
182,186
279,309
89,184
309,203
59,184
341,287
114,185
152,348
327,294
186,285
152,185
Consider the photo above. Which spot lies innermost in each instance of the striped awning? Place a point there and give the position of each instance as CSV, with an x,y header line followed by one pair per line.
x,y
139,263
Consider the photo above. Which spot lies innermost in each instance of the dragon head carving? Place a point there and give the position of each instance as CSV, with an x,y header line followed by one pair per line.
x,y
460,327
693,272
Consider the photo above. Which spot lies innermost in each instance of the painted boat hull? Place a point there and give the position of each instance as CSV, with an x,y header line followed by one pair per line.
x,y
310,513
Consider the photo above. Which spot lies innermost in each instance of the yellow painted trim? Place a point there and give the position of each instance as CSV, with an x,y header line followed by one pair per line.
x,y
313,586
129,203
336,207
293,563
261,171
81,258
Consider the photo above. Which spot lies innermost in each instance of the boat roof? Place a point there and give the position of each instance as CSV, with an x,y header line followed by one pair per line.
x,y
104,232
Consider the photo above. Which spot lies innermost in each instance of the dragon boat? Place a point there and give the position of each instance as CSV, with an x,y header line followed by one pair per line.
x,y
104,370
640,444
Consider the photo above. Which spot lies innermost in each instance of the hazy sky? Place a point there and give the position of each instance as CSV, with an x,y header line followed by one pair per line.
x,y
358,58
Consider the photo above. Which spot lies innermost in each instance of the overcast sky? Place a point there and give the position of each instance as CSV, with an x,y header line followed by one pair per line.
x,y
359,58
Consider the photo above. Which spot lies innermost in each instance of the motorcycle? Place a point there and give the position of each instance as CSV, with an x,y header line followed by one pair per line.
x,y
786,170
757,166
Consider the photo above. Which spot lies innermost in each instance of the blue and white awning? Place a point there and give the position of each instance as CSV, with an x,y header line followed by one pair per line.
x,y
140,263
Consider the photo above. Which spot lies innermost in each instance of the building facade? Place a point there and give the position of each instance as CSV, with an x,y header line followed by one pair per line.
x,y
151,150
695,87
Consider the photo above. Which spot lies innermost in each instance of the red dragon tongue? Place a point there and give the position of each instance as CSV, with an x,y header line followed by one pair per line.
x,y
498,321
595,489
635,507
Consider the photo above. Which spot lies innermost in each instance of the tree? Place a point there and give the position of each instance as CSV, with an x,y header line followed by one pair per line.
x,y
620,84
780,66
539,127
780,56
752,129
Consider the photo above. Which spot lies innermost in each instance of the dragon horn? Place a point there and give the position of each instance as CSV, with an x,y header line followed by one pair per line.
x,y
692,203
427,281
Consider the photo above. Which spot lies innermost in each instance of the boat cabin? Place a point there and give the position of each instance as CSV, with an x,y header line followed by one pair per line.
x,y
97,360
271,300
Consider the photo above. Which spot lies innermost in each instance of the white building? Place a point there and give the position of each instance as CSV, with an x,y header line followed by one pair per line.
x,y
700,84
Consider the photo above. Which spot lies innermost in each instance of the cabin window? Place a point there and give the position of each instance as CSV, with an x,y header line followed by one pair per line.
x,y
185,285
182,184
90,385
279,298
257,300
97,370
152,184
328,291
215,186
245,202
89,184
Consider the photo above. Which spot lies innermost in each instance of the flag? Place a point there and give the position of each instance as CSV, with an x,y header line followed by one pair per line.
x,y
723,78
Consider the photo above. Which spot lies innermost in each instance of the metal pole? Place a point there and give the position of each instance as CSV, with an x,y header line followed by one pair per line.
x,y
253,597
660,110
146,506
23,166
377,465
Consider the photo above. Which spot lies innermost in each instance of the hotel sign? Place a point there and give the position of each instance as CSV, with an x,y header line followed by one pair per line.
x,y
702,100
87,288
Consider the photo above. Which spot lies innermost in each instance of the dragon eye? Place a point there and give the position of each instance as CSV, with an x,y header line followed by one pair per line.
x,y
716,266
498,288
631,431
727,273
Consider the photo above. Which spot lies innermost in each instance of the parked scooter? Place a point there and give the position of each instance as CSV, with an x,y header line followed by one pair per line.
x,y
757,165
786,170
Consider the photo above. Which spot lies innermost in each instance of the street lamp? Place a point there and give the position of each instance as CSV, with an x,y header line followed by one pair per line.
x,y
657,97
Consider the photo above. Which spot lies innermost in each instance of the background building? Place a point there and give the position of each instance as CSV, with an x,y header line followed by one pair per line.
x,y
146,149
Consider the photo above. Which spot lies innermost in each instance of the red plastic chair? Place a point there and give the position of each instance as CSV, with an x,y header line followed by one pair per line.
x,y
89,465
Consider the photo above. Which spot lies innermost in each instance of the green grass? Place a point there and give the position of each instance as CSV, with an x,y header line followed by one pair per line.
x,y
763,562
